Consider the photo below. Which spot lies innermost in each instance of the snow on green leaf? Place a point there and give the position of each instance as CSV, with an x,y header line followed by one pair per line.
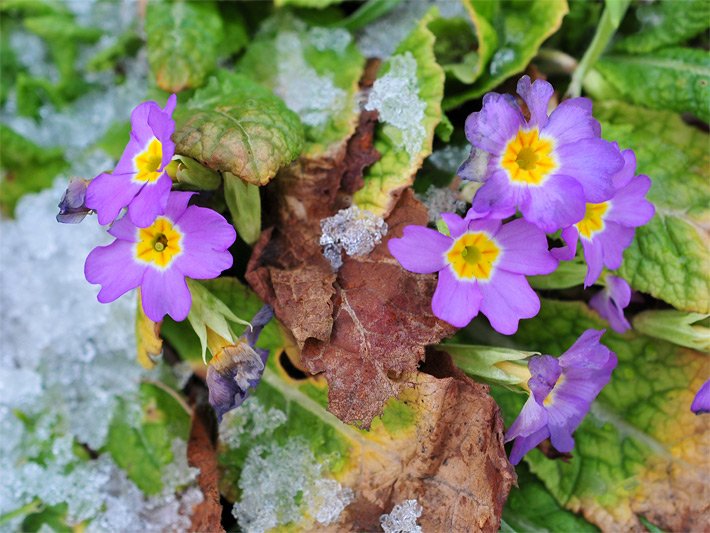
x,y
640,451
183,41
407,94
315,71
677,79
669,257
520,26
235,125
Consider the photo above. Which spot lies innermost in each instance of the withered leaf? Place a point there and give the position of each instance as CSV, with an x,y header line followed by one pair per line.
x,y
202,454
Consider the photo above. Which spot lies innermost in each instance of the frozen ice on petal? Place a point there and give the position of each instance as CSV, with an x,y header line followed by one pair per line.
x,y
353,230
402,518
441,200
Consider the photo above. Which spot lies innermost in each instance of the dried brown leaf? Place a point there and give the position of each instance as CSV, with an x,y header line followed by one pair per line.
x,y
202,454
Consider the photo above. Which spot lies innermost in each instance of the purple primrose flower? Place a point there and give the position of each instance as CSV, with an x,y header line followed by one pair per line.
x,y
701,402
607,228
482,267
611,301
547,167
236,368
187,241
562,391
139,180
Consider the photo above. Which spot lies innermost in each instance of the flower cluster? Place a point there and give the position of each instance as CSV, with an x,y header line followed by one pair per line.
x,y
160,240
559,174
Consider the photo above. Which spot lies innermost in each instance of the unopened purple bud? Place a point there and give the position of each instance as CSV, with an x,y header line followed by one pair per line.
x,y
701,402
72,208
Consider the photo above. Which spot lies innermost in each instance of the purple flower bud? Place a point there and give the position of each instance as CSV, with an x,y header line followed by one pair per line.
x,y
72,208
236,368
562,392
701,402
611,302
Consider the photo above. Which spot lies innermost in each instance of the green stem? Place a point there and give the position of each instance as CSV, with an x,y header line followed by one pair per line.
x,y
605,31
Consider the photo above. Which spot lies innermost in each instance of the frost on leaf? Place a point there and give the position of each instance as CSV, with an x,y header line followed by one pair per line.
x,y
352,230
403,518
438,200
395,96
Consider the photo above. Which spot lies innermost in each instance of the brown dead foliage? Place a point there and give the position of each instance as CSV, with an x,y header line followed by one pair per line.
x,y
202,454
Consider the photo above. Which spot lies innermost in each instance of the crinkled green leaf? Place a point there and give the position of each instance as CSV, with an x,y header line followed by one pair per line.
x,y
141,442
397,167
315,71
235,25
183,42
676,79
669,257
244,204
640,451
26,167
456,49
521,26
665,23
369,11
127,45
235,125
532,509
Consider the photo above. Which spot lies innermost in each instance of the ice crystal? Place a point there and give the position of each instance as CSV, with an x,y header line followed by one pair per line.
x,y
449,158
396,98
336,39
315,98
403,518
283,485
439,201
353,230
250,421
500,59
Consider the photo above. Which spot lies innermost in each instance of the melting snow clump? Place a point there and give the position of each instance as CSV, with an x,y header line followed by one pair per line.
x,y
315,98
439,201
283,485
354,230
250,421
323,39
396,98
403,518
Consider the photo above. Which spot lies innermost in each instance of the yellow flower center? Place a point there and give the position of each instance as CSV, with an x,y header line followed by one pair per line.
x,y
473,255
528,158
147,163
158,244
550,398
593,221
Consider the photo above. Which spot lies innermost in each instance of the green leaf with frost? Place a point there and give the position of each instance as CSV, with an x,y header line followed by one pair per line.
x,y
521,26
669,257
531,508
640,447
183,42
26,167
676,79
235,125
244,202
684,329
404,144
666,23
316,71
140,441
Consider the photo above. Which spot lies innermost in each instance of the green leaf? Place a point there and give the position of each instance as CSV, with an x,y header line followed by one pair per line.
x,y
684,329
126,46
531,508
235,125
676,79
664,23
368,12
183,42
314,4
455,48
520,26
244,204
568,274
617,10
490,362
315,71
398,165
141,442
669,257
190,173
26,167
640,446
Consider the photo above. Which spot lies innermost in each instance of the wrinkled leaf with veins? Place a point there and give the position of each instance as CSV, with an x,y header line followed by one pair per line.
x,y
440,442
235,125
183,41
669,257
407,140
677,79
664,24
244,203
140,441
640,451
315,70
521,26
